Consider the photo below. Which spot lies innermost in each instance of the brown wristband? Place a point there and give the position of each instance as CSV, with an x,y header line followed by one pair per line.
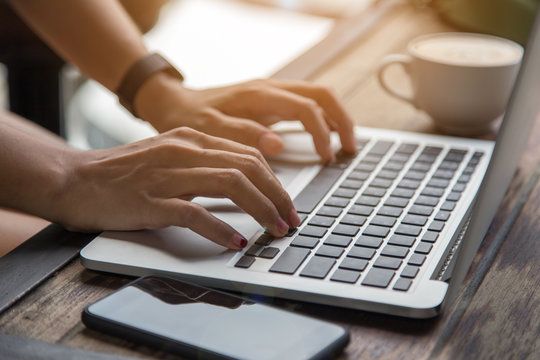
x,y
138,73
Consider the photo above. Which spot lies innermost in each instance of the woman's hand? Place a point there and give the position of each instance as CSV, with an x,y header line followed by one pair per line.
x,y
244,111
150,184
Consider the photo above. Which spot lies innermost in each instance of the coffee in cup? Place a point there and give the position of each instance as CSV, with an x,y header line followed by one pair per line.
x,y
462,80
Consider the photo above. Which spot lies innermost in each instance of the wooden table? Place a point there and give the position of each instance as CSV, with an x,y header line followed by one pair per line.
x,y
497,313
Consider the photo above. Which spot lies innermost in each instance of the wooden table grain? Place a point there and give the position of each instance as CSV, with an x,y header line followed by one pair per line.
x,y
497,313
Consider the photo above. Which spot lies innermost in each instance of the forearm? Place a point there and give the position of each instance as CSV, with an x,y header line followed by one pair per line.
x,y
95,35
33,173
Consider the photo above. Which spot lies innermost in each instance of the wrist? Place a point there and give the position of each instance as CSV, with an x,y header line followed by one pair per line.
x,y
162,100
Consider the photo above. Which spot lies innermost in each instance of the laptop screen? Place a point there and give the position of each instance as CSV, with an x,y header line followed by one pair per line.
x,y
521,114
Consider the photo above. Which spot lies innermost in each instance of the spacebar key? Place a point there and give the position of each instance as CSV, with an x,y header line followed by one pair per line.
x,y
290,260
313,193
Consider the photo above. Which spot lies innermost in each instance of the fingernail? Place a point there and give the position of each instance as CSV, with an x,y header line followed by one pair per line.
x,y
294,219
270,144
282,226
239,241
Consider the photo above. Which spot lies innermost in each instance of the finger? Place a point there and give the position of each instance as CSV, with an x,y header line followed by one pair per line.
x,y
188,144
231,184
269,104
247,132
328,100
232,142
198,219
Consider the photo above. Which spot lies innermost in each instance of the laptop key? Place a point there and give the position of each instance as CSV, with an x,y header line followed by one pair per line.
x,y
265,239
374,191
459,187
453,196
403,193
381,220
351,263
346,276
361,253
338,240
430,236
442,215
388,174
436,225
409,184
314,231
330,251
375,230
367,200
269,253
411,230
421,210
365,167
378,278
337,202
396,202
369,241
254,250
352,184
360,210
448,205
417,220
388,262
417,259
423,248
402,240
406,148
358,175
245,262
313,193
318,267
402,284
381,183
395,251
347,230
290,260
305,242
439,183
432,191
323,221
390,211
329,211
410,271
357,220
381,147
344,193
427,200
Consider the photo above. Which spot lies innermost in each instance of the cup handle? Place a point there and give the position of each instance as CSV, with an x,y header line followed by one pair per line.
x,y
403,60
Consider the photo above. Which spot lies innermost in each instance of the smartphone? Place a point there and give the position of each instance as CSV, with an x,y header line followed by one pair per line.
x,y
198,322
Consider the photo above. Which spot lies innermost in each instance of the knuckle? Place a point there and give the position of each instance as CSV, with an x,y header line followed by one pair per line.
x,y
232,177
251,163
191,212
186,132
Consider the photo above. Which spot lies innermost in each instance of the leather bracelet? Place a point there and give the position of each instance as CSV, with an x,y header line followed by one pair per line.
x,y
138,73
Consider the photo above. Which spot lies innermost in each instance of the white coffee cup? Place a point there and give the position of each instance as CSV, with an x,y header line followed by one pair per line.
x,y
462,80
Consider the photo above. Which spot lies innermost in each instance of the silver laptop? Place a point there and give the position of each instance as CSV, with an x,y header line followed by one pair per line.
x,y
393,229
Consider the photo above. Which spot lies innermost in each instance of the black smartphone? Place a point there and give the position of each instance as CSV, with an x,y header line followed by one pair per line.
x,y
202,323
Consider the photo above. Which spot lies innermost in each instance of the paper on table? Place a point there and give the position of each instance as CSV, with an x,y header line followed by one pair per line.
x,y
219,42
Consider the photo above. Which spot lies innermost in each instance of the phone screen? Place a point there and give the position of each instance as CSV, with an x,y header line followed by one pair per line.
x,y
217,322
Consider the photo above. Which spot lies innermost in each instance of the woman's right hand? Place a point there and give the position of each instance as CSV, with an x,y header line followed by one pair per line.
x,y
150,184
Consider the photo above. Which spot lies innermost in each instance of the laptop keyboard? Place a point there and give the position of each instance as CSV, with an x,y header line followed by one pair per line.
x,y
379,223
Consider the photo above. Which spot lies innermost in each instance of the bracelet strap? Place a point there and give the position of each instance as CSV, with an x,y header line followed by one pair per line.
x,y
138,73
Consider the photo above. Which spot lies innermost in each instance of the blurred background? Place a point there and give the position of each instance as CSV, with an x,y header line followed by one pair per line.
x,y
214,43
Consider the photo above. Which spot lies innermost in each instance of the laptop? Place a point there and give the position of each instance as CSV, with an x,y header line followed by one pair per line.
x,y
392,229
